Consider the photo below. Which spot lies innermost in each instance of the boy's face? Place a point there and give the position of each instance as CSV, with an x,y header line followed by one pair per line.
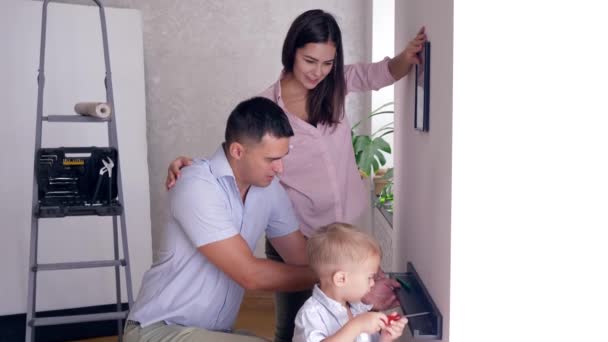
x,y
361,278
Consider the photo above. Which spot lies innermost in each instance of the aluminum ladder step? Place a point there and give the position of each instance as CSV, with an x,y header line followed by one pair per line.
x,y
73,118
77,265
42,321
50,210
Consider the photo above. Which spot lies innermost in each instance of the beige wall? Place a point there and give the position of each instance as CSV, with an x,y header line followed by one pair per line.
x,y
202,57
423,161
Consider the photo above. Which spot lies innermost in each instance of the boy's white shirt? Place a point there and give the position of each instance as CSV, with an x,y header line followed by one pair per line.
x,y
321,317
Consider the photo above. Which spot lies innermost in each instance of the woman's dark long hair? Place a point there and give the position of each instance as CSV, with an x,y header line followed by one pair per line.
x,y
325,103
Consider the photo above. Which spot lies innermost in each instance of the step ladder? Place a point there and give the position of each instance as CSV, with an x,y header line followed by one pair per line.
x,y
34,267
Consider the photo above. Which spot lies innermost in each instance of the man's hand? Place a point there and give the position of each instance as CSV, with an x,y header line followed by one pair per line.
x,y
173,171
382,295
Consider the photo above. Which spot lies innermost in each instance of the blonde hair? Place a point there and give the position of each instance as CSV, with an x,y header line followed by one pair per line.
x,y
337,244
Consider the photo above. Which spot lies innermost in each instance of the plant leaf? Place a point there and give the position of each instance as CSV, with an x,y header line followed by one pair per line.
x,y
391,131
388,174
383,106
370,116
369,153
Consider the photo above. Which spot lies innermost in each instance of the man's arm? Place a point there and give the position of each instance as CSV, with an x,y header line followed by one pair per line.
x,y
200,208
233,257
292,248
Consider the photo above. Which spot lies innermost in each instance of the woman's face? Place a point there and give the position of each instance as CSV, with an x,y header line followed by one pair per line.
x,y
313,62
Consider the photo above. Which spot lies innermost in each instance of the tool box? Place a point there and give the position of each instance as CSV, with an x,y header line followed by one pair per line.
x,y
77,181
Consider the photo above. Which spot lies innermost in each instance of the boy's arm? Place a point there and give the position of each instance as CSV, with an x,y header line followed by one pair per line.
x,y
348,332
309,325
369,322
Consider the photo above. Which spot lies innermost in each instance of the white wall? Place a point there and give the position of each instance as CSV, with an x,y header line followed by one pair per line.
x,y
519,147
423,160
74,72
530,182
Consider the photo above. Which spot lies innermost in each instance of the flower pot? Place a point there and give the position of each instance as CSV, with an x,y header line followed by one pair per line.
x,y
379,181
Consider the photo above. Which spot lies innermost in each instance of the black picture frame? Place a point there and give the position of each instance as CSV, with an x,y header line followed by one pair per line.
x,y
422,89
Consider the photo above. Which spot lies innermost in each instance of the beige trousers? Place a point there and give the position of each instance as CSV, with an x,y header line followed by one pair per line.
x,y
161,332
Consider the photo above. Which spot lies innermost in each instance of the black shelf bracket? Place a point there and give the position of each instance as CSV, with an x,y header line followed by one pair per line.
x,y
424,319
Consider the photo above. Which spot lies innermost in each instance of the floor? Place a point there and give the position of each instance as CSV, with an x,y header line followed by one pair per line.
x,y
256,316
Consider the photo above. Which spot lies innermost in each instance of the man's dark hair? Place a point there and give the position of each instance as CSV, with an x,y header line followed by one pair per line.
x,y
254,118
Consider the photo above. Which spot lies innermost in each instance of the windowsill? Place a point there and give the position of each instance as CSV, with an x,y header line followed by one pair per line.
x,y
387,215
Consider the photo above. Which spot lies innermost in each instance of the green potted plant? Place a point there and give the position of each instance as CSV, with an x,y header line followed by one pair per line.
x,y
370,151
385,197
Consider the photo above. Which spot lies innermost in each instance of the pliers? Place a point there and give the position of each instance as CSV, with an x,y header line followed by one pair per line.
x,y
108,165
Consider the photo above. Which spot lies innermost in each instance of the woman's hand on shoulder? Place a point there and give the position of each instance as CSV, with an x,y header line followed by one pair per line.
x,y
173,171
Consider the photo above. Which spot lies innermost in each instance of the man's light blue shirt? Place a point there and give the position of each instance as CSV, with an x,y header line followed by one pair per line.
x,y
185,288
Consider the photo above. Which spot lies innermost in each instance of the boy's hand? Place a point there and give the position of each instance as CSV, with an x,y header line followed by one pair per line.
x,y
369,322
392,317
394,329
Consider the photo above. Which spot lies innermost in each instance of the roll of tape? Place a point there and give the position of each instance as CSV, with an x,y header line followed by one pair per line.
x,y
96,109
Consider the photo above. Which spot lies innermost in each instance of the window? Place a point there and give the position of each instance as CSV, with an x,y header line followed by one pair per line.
x,y
383,44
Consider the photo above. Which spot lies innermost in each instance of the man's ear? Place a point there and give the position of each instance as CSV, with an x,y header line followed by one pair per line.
x,y
236,150
339,278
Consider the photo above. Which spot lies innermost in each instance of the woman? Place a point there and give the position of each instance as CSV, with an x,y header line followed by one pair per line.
x,y
320,174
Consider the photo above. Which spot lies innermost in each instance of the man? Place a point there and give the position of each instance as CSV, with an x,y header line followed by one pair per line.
x,y
218,211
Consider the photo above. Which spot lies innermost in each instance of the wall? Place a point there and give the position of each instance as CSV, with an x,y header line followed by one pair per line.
x,y
203,57
501,206
74,72
530,172
423,160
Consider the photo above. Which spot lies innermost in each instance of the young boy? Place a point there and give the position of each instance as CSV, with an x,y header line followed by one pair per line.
x,y
345,261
